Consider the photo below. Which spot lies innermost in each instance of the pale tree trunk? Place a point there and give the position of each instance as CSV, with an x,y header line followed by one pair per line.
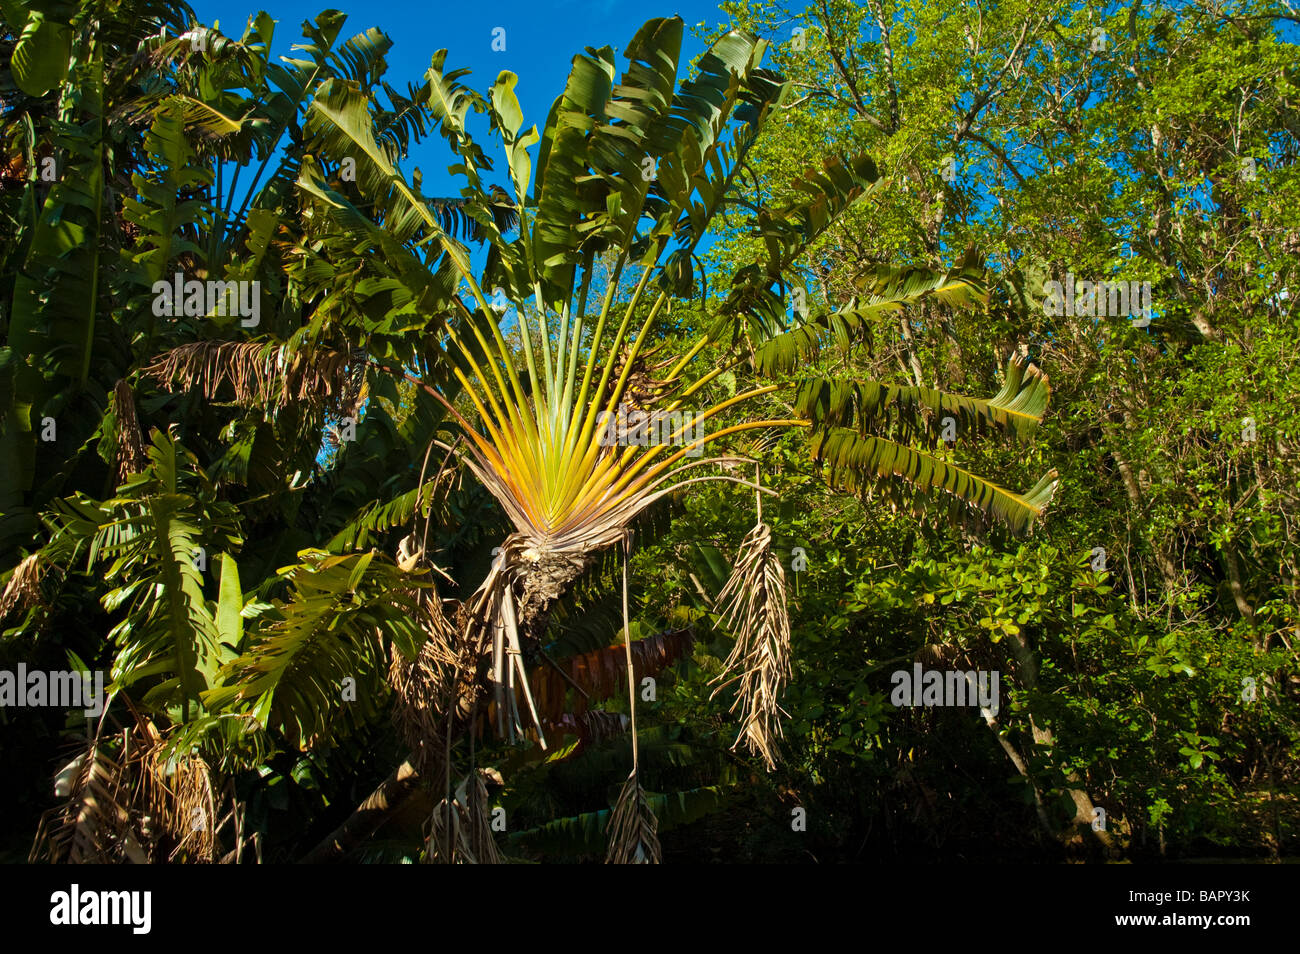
x,y
1022,767
1083,815
1231,563
1168,572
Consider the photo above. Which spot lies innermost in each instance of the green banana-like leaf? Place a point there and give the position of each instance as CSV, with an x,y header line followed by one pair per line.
x,y
1017,409
192,629
230,605
205,117
41,58
627,145
821,198
69,358
149,536
296,668
696,175
449,102
56,299
509,118
341,125
823,195
410,286
378,517
866,463
886,290
613,154
169,224
564,196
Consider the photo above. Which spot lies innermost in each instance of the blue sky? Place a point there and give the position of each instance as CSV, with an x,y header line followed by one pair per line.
x,y
540,39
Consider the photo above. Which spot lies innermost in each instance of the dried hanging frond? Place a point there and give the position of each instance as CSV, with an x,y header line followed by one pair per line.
x,y
633,829
469,816
257,373
178,793
479,821
23,590
251,368
131,457
424,687
444,847
93,826
753,603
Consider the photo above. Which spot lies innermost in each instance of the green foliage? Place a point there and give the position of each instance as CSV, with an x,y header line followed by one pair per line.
x,y
192,529
148,545
313,654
